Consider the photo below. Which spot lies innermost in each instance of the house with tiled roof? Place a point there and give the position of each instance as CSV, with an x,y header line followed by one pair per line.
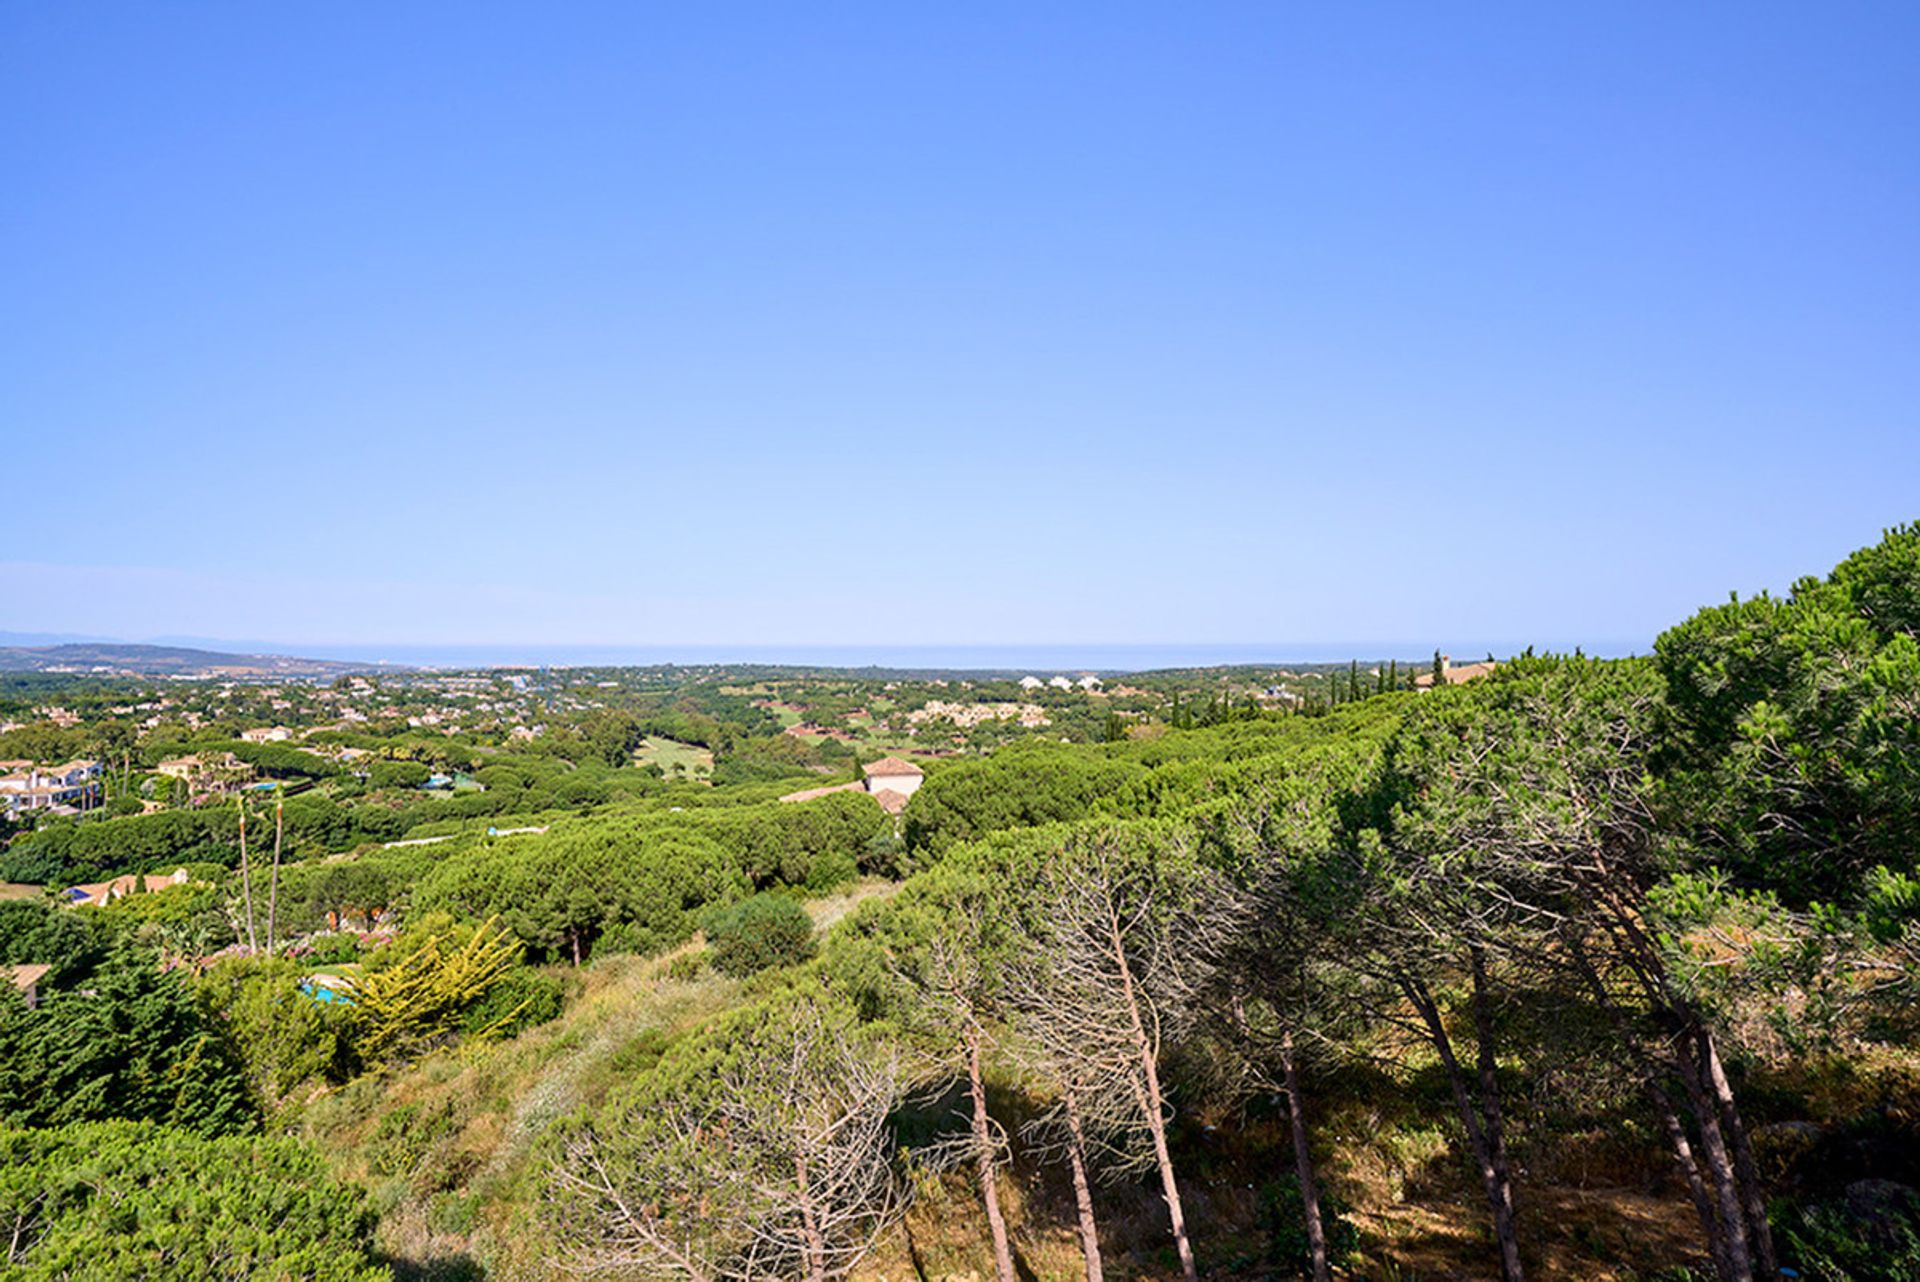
x,y
51,787
894,773
1453,676
105,892
889,781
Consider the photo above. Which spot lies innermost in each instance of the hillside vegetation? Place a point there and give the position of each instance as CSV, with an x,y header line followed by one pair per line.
x,y
1583,969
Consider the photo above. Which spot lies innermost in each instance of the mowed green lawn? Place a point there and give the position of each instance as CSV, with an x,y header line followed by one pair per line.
x,y
668,753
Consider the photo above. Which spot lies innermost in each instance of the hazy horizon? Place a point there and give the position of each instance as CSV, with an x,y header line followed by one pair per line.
x,y
1039,657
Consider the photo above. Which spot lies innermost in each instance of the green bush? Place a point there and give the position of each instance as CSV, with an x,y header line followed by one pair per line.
x,y
688,966
333,950
407,1135
1872,1234
518,1000
126,1200
758,933
134,1044
831,871
1283,1214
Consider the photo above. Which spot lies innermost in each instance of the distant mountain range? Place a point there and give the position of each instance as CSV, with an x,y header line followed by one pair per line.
x,y
109,658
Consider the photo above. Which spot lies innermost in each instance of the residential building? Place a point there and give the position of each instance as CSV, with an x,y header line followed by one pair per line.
x,y
1450,675
889,781
46,787
891,774
105,892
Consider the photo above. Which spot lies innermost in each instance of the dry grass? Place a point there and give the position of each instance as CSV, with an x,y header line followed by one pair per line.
x,y
475,1195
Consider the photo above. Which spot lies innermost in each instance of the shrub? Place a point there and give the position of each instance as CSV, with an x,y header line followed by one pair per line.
x,y
758,933
518,1000
688,966
334,949
830,871
122,1200
1283,1214
406,1136
1872,1234
134,1044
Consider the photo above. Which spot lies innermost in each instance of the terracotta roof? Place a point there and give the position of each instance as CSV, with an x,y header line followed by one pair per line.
x,y
25,977
892,767
1455,674
890,801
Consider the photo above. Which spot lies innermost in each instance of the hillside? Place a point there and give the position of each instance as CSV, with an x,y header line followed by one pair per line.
x,y
115,659
1598,969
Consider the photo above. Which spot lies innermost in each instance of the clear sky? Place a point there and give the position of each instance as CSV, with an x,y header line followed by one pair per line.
x,y
973,323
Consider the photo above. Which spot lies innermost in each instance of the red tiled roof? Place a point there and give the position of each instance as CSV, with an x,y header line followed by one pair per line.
x,y
1455,674
892,767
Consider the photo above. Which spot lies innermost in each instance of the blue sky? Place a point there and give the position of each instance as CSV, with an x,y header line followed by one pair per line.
x,y
846,324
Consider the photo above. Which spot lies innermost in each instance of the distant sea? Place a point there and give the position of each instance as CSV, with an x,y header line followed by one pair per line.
x,y
989,658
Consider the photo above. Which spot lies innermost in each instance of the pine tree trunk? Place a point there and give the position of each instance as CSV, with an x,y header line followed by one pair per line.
x,y
1153,1103
983,1158
1643,963
1488,1067
1676,1134
1082,1192
1719,1164
1303,1166
246,881
1498,1200
1746,1172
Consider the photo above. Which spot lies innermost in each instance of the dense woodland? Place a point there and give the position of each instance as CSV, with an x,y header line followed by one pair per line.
x,y
1599,969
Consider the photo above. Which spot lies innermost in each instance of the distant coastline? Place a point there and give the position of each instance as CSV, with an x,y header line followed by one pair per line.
x,y
1092,657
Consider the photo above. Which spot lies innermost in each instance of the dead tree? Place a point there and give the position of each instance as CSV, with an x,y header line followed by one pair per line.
x,y
940,954
767,1156
1062,1129
1112,979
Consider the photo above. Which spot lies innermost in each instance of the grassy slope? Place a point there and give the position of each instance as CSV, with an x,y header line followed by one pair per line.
x,y
472,1195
